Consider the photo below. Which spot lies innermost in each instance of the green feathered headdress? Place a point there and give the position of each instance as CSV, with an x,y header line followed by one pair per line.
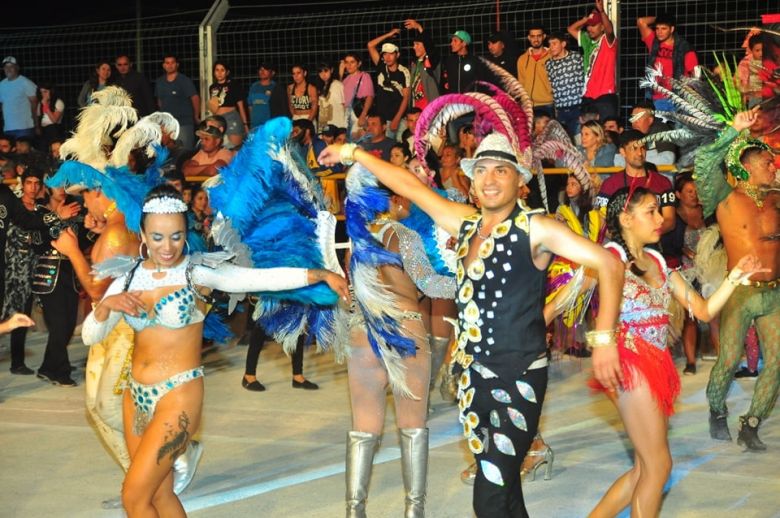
x,y
735,152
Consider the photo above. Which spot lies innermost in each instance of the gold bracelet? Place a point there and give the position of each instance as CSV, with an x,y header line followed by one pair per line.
x,y
602,338
347,154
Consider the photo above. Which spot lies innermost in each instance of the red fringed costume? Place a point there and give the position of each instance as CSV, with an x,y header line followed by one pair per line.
x,y
642,349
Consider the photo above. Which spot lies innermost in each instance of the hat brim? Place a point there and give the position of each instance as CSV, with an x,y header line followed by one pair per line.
x,y
468,164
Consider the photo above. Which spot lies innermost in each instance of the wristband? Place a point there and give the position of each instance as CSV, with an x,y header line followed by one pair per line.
x,y
733,277
603,338
347,154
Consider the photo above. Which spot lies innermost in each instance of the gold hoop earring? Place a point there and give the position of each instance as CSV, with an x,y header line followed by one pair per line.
x,y
141,251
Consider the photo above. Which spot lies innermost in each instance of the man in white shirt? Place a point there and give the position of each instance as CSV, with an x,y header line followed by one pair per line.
x,y
18,96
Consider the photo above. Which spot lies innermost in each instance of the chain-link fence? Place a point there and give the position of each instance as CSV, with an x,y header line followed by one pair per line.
x,y
309,35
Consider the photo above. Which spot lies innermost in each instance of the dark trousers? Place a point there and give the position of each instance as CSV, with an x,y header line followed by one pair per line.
x,y
569,117
607,105
490,499
60,310
18,338
256,341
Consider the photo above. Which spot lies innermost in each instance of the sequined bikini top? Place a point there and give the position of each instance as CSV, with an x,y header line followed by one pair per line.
x,y
644,308
176,310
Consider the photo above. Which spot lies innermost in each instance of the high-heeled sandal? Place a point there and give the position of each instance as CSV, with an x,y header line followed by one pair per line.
x,y
540,458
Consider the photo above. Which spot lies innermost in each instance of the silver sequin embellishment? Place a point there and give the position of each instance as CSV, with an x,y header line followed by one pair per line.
x,y
491,472
495,421
526,391
501,395
517,419
483,371
503,444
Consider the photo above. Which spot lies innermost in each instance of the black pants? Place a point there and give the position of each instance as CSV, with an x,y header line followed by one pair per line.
x,y
256,341
490,499
60,310
18,338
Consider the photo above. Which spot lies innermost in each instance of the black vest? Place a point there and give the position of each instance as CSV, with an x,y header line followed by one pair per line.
x,y
500,297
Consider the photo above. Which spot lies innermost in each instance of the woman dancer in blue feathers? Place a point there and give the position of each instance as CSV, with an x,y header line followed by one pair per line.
x,y
163,297
391,273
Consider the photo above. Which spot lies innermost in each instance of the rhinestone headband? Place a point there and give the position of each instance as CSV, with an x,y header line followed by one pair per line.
x,y
164,205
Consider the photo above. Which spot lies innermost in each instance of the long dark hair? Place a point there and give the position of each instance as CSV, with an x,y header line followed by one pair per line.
x,y
53,94
306,82
322,87
225,66
584,202
624,199
93,76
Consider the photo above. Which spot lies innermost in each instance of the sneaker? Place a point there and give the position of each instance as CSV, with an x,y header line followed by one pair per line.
x,y
24,370
744,372
690,369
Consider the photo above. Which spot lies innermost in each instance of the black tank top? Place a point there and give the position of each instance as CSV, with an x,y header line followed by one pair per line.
x,y
500,297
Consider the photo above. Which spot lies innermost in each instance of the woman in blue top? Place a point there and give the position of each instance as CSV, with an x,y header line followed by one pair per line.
x,y
163,297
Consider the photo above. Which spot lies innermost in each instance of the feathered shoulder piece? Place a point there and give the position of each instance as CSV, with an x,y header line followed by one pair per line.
x,y
114,267
436,241
265,205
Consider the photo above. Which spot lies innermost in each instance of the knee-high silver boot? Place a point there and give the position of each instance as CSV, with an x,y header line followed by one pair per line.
x,y
414,465
361,447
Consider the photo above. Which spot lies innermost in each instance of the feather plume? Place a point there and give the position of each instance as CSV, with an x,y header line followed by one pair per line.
x,y
167,122
651,81
143,134
267,197
515,89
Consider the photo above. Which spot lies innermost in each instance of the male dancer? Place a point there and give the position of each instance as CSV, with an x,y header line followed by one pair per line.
x,y
749,223
503,252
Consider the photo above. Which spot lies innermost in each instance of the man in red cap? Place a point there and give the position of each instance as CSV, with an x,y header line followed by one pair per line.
x,y
599,52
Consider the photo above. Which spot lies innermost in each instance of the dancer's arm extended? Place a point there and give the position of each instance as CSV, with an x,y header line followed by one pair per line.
x,y
706,309
445,213
236,279
550,236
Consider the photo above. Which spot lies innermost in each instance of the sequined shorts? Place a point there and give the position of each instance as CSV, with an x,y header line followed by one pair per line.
x,y
146,397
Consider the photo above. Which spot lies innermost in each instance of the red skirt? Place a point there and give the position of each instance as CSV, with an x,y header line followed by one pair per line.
x,y
641,362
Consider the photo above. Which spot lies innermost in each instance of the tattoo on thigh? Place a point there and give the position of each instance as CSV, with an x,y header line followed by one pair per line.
x,y
175,441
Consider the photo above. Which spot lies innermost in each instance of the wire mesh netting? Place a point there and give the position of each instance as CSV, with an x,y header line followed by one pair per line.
x,y
290,34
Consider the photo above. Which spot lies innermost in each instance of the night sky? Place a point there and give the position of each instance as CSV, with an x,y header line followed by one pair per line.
x,y
64,12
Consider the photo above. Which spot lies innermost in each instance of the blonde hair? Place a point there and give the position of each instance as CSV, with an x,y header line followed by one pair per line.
x,y
598,130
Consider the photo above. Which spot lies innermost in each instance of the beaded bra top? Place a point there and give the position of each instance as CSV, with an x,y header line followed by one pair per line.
x,y
644,309
176,310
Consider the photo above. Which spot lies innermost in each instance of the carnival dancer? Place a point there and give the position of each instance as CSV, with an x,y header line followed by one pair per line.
x,y
712,114
107,132
650,382
749,223
503,252
163,298
388,289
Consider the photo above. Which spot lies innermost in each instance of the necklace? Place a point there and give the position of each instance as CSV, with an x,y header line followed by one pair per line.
x,y
753,192
110,210
479,232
